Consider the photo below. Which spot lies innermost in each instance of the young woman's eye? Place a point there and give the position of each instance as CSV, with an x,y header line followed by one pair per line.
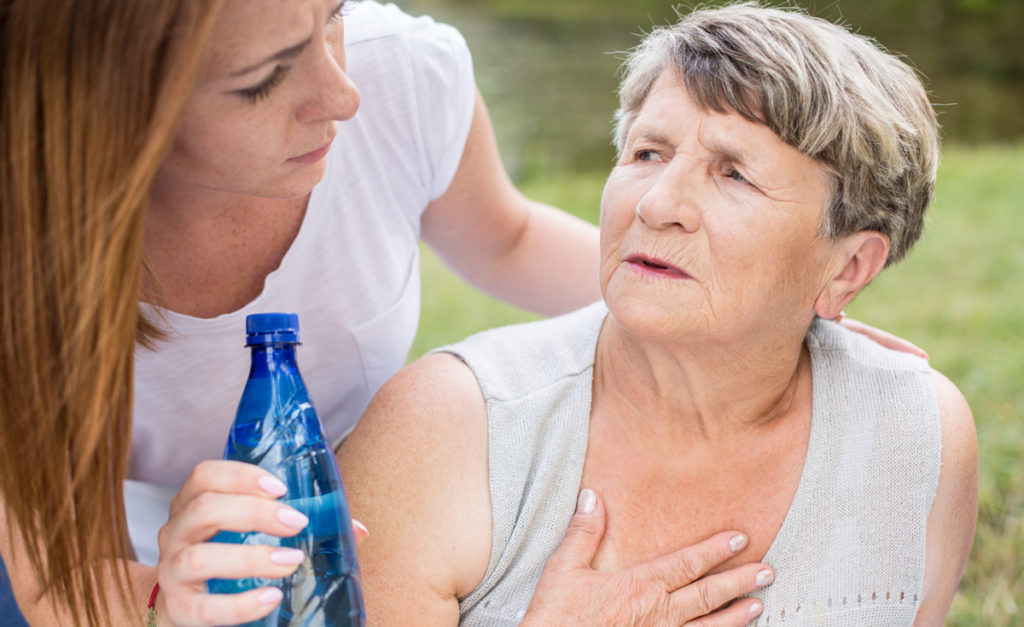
x,y
339,11
261,91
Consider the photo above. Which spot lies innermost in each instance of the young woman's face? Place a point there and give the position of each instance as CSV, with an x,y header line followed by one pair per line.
x,y
267,103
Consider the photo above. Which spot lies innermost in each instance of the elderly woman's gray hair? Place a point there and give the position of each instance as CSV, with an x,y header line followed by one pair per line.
x,y
835,96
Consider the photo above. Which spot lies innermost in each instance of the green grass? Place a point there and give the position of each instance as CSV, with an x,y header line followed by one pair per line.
x,y
959,295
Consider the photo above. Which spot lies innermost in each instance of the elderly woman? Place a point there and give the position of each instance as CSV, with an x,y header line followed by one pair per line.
x,y
770,165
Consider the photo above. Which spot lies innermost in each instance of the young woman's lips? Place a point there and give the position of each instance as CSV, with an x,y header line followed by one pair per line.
x,y
312,157
656,268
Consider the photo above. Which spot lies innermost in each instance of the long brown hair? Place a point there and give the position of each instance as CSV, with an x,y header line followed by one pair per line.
x,y
91,94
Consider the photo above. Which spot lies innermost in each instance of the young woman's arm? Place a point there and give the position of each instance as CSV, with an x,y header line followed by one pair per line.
x,y
523,252
41,610
218,495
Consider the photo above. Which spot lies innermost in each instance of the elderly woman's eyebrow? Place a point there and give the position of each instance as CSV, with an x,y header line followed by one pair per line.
x,y
653,136
731,152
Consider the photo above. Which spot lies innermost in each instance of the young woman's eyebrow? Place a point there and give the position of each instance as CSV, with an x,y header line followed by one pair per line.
x,y
287,53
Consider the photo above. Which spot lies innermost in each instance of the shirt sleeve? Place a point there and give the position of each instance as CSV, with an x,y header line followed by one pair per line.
x,y
445,89
415,76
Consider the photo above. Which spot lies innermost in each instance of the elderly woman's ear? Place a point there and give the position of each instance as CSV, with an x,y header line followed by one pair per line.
x,y
859,258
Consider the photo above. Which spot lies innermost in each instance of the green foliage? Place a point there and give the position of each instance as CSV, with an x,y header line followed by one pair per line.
x,y
959,295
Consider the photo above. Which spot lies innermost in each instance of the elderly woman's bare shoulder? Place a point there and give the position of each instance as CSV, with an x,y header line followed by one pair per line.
x,y
415,470
954,511
435,397
957,419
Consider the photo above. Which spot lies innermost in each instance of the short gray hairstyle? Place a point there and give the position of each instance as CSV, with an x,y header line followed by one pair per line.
x,y
835,96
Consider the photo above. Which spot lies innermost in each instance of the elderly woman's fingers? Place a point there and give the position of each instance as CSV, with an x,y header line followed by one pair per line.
x,y
204,609
231,477
666,591
583,535
688,564
736,614
704,596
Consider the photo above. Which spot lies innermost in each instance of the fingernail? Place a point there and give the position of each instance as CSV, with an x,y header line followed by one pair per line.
x,y
287,556
273,486
755,609
292,518
586,502
270,595
361,527
737,542
764,577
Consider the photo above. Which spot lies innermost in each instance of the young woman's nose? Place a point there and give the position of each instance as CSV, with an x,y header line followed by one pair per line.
x,y
331,93
673,198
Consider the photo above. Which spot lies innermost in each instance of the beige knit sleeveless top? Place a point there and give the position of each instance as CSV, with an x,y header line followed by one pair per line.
x,y
851,550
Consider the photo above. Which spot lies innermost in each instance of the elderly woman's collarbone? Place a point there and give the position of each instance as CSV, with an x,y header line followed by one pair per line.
x,y
660,498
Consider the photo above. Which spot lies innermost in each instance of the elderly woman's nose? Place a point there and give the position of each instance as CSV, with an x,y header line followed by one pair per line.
x,y
332,94
671,201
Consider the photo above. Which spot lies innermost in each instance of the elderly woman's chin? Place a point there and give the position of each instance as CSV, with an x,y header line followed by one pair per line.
x,y
684,312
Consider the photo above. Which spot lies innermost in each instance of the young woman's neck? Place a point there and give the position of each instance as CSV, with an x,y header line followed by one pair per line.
x,y
210,252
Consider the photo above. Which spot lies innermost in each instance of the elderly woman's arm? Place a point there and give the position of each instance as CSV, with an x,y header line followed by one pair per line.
x,y
955,509
416,472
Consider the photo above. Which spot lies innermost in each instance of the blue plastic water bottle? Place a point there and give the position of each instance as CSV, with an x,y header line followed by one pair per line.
x,y
277,428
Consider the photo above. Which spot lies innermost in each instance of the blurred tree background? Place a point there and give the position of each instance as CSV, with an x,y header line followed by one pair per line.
x,y
549,69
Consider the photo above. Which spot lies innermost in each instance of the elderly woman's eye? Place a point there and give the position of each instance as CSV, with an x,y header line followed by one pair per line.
x,y
736,176
647,155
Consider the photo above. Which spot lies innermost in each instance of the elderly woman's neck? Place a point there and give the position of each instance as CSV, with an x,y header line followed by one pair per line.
x,y
701,388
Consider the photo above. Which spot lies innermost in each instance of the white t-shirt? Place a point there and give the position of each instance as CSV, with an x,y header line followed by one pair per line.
x,y
352,273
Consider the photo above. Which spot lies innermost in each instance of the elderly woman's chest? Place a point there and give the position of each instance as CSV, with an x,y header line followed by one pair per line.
x,y
664,496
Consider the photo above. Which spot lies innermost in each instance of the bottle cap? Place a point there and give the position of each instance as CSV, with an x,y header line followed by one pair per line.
x,y
270,328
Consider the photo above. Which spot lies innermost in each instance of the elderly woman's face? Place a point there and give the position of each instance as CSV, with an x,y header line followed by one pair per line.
x,y
710,223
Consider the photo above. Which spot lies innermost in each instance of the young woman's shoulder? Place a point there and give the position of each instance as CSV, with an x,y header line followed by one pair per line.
x,y
370,21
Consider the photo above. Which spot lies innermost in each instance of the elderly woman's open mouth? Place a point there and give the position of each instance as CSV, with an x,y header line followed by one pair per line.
x,y
654,267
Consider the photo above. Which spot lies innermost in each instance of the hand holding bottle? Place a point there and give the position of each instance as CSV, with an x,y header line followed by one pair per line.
x,y
222,495
233,496
267,559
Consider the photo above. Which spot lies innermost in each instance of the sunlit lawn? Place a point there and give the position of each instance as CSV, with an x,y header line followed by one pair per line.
x,y
960,295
